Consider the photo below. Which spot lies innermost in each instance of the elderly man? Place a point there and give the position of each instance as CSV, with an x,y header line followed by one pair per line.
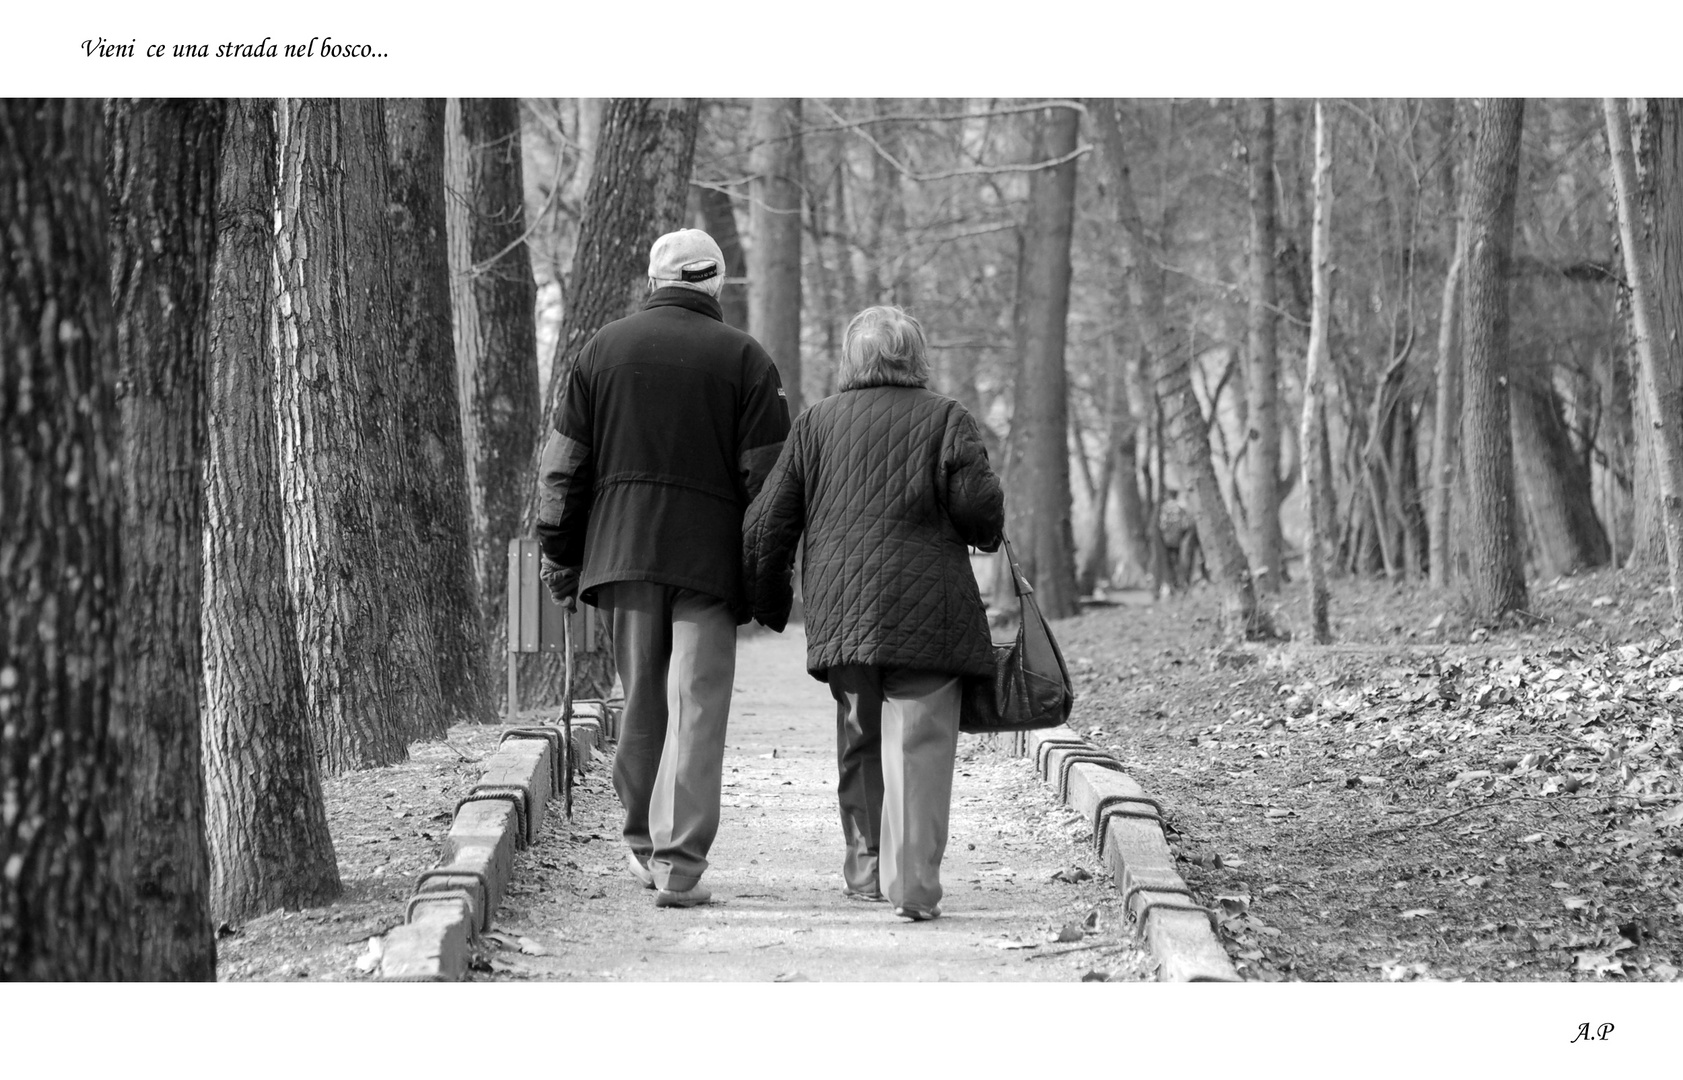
x,y
670,423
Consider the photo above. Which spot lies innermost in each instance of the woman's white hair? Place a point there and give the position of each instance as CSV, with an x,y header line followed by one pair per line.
x,y
884,346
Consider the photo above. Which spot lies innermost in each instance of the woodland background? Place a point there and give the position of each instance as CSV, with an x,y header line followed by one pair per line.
x,y
276,372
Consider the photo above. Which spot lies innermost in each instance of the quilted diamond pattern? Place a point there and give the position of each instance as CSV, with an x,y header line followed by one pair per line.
x,y
888,485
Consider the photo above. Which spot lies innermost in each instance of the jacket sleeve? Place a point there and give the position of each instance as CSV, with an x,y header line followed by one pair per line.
x,y
975,503
762,426
769,531
567,474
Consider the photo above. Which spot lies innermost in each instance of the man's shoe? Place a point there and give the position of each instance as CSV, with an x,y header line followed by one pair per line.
x,y
917,914
871,896
692,897
638,870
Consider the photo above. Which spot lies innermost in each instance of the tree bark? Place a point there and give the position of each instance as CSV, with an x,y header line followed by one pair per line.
x,y
436,494
1039,484
1447,418
337,474
494,299
1653,265
1554,484
1184,422
1262,377
63,905
719,219
644,153
265,820
1497,583
774,261
1313,424
162,186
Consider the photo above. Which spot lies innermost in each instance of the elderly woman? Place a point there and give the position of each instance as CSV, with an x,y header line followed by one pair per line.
x,y
889,482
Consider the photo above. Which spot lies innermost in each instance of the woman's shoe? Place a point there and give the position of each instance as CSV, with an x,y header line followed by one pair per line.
x,y
917,914
870,897
691,897
638,870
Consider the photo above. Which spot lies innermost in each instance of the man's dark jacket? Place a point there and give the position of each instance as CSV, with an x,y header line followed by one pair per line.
x,y
670,422
889,484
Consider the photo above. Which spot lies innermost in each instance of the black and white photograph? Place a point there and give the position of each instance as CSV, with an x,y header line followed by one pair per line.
x,y
1020,510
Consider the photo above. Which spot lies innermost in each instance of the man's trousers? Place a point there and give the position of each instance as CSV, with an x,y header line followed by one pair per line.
x,y
676,651
896,738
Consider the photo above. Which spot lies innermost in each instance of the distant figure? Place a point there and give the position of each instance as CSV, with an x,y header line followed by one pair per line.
x,y
670,422
1180,537
889,482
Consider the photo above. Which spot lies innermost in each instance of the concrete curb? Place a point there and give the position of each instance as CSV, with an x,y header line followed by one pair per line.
x,y
458,898
1128,833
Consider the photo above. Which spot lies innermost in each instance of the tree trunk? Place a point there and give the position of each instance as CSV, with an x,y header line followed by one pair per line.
x,y
1312,430
162,187
1185,424
1039,484
1554,484
1498,585
644,153
436,495
1654,267
719,219
494,299
63,905
334,310
774,262
1262,377
1447,419
264,817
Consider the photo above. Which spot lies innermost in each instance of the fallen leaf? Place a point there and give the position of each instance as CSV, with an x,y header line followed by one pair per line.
x,y
1070,932
791,976
1532,839
1008,943
532,948
1415,913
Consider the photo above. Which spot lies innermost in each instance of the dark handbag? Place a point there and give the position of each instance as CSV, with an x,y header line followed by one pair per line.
x,y
1030,686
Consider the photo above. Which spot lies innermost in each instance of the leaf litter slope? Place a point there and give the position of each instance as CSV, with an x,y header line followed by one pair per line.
x,y
1426,799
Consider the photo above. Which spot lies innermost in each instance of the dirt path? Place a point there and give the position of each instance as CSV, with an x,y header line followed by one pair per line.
x,y
779,912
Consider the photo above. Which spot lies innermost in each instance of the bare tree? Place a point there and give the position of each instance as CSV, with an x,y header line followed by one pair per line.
x,y
264,817
163,162
368,667
1313,425
1039,478
493,298
774,260
1497,583
1654,265
63,907
1262,377
1187,430
435,484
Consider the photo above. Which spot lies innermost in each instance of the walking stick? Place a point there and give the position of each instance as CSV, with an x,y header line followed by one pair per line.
x,y
567,711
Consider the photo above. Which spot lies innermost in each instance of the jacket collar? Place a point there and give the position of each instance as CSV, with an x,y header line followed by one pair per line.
x,y
673,296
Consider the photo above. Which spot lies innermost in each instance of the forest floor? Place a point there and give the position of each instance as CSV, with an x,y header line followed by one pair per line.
x,y
1425,799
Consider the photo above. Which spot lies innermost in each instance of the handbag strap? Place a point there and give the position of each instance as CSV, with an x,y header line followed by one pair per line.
x,y
1018,579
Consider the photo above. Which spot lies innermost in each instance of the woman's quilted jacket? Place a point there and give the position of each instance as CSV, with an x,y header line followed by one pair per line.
x,y
889,485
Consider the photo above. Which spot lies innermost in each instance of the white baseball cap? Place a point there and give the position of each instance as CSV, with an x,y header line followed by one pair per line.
x,y
686,255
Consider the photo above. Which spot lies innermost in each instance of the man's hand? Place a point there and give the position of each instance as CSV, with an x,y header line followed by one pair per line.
x,y
563,582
